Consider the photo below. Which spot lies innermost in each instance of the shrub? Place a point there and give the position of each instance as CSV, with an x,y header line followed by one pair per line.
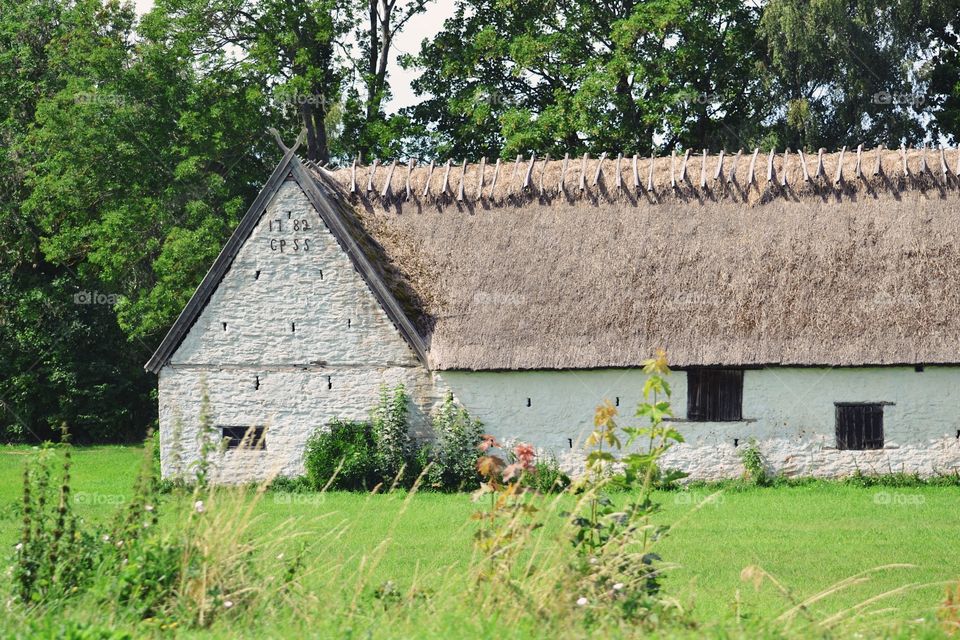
x,y
391,432
342,456
546,477
454,452
755,468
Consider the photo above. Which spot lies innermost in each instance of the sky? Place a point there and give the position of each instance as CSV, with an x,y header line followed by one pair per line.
x,y
425,25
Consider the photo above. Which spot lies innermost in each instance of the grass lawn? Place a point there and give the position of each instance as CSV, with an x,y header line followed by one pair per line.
x,y
808,537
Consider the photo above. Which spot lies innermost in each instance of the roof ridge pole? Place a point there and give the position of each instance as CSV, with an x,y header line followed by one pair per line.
x,y
879,168
619,180
373,170
903,157
673,168
596,175
483,166
410,165
463,177
583,172
943,164
821,173
650,175
353,177
526,178
773,152
719,172
803,163
783,169
426,184
858,172
636,173
563,172
496,174
839,177
753,166
446,178
733,167
543,171
386,185
703,170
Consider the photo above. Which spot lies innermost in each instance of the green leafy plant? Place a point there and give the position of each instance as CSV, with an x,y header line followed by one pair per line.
x,y
342,456
755,467
453,454
391,432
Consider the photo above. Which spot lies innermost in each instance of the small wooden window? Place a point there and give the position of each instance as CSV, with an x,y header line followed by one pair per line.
x,y
715,395
247,437
859,426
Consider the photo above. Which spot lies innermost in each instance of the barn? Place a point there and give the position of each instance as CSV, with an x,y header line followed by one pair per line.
x,y
808,302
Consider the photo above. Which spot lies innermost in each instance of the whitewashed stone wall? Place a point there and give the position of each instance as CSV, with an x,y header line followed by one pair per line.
x,y
789,411
304,322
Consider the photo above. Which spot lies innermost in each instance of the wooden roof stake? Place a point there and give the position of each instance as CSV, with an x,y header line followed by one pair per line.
x,y
516,170
636,173
943,164
543,171
446,178
903,157
387,184
716,176
753,166
650,175
923,159
483,166
733,168
496,174
619,178
353,177
879,168
596,175
410,165
820,169
839,177
527,178
373,170
703,170
783,169
956,171
858,173
773,152
803,164
583,172
673,168
426,184
463,177
683,166
563,172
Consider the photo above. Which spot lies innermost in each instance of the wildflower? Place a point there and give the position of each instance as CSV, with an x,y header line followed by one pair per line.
x,y
148,507
525,455
227,604
582,602
618,586
593,560
280,556
106,538
198,506
487,441
19,546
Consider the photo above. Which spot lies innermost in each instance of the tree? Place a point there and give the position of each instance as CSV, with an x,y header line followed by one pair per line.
x,y
571,76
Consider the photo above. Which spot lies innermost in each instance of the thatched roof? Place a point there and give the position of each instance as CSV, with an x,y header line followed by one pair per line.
x,y
844,268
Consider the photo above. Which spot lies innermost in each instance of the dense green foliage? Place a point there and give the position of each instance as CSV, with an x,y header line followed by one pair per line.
x,y
130,146
342,456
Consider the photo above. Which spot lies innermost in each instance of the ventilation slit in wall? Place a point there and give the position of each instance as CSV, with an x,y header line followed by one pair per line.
x,y
289,213
256,383
224,324
329,383
528,402
958,434
256,276
570,442
736,442
348,323
918,368
321,274
617,401
293,327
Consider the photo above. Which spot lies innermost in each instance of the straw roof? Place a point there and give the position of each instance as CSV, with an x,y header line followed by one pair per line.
x,y
535,266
